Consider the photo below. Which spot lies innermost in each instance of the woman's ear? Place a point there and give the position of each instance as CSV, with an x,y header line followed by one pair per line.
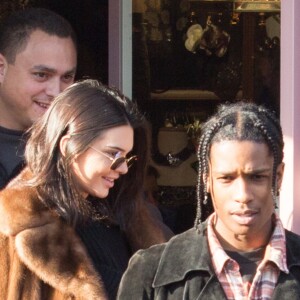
x,y
63,144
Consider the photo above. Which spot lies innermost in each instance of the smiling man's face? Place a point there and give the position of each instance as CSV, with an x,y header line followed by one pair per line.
x,y
44,68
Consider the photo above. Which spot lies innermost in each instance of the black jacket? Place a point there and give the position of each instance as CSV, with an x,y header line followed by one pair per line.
x,y
182,269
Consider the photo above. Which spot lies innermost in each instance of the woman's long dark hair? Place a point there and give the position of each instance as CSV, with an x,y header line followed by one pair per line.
x,y
238,121
83,111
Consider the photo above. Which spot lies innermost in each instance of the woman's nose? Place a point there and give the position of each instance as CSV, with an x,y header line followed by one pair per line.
x,y
123,168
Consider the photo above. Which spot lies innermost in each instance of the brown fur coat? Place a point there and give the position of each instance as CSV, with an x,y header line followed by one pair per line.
x,y
43,258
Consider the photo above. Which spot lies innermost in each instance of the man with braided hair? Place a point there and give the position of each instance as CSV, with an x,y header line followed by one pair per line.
x,y
242,250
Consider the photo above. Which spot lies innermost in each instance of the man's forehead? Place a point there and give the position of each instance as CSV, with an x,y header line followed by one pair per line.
x,y
48,53
240,144
230,153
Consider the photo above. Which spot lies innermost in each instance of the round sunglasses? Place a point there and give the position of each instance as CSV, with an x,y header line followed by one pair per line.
x,y
117,160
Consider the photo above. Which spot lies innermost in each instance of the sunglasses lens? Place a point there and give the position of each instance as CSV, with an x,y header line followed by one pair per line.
x,y
120,160
117,163
131,160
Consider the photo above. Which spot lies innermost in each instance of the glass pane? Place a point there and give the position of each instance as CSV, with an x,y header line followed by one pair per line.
x,y
188,56
89,19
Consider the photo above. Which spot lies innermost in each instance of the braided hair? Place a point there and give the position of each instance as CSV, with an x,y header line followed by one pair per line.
x,y
240,121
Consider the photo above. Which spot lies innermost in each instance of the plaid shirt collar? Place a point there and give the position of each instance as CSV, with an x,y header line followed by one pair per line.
x,y
275,250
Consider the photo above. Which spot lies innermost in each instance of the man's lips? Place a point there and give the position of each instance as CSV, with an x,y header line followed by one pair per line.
x,y
244,217
42,104
244,212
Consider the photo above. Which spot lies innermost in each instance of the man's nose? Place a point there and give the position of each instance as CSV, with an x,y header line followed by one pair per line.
x,y
54,87
242,190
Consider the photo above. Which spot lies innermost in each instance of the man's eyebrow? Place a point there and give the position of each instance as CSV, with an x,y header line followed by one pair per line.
x,y
51,70
262,170
44,68
72,71
253,171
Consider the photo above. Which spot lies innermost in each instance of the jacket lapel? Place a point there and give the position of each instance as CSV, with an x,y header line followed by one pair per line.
x,y
183,254
212,290
186,254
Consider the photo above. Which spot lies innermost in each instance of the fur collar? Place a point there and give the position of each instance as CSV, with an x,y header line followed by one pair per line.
x,y
46,245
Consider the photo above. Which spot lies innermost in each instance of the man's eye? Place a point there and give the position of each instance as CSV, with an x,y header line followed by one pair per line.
x,y
258,177
225,178
40,75
69,78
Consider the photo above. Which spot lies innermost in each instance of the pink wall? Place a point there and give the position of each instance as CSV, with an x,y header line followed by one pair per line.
x,y
290,111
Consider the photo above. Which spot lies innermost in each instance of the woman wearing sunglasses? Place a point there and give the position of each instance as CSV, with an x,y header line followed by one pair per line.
x,y
70,221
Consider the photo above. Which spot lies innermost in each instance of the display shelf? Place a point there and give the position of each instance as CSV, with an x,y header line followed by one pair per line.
x,y
185,94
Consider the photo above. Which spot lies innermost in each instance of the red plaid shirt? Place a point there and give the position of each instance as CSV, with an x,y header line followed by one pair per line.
x,y
264,281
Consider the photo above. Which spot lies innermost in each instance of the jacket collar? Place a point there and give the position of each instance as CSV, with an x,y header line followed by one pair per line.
x,y
46,245
20,207
190,252
184,253
293,249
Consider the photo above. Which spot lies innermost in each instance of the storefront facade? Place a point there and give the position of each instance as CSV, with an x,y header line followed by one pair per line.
x,y
120,75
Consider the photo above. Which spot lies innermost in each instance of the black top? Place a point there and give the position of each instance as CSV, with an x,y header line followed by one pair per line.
x,y
108,250
11,154
248,262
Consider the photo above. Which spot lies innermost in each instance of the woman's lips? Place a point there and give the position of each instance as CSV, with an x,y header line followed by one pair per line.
x,y
109,182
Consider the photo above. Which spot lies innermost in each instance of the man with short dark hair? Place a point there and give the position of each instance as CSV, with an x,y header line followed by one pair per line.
x,y
38,59
242,250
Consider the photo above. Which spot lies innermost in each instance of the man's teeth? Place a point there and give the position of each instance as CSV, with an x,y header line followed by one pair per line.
x,y
42,105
